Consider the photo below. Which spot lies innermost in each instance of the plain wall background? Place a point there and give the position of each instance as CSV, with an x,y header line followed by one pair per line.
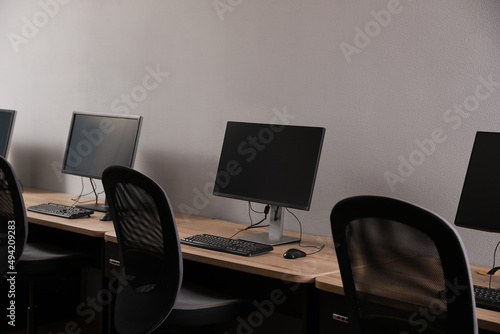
x,y
381,85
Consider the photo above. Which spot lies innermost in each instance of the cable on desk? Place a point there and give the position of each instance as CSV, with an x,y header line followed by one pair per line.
x,y
77,199
93,191
266,212
252,225
319,249
493,269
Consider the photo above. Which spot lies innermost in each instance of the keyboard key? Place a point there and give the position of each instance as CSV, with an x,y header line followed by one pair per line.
x,y
222,244
60,210
487,298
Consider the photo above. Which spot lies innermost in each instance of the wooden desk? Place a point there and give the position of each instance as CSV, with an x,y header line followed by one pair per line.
x,y
320,270
91,226
262,273
487,319
272,265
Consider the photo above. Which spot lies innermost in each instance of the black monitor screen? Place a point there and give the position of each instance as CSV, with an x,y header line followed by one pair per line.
x,y
97,141
269,163
7,118
479,206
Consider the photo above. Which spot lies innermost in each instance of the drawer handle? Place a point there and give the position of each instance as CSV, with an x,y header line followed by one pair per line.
x,y
341,318
114,262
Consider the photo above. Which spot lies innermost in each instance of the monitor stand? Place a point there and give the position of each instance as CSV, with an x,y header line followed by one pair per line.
x,y
94,206
98,207
275,235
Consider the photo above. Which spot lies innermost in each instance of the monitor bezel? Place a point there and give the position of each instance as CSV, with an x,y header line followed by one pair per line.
x,y
13,114
137,118
306,207
458,218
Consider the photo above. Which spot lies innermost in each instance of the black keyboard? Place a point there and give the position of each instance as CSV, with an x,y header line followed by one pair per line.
x,y
222,244
60,210
487,298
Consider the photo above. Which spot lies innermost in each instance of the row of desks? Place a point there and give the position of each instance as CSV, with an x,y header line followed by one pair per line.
x,y
320,270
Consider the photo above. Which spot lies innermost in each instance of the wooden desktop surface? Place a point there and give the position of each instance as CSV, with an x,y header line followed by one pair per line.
x,y
487,319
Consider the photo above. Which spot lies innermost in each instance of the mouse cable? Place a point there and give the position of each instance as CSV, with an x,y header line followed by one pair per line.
x,y
318,249
493,269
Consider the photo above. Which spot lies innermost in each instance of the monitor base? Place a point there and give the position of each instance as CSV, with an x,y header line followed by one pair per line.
x,y
106,217
95,206
263,238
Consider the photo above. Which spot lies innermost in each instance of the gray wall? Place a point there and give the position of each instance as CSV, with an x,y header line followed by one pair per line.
x,y
384,77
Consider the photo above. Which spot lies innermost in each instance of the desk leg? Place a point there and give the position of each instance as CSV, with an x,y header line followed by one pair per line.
x,y
310,311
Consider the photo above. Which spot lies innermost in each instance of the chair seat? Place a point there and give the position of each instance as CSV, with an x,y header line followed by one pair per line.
x,y
40,258
197,305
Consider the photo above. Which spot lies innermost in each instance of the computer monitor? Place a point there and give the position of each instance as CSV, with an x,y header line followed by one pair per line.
x,y
7,119
97,141
478,207
270,164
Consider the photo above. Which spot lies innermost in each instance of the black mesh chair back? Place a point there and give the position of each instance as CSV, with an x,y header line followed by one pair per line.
x,y
150,257
403,268
13,221
29,261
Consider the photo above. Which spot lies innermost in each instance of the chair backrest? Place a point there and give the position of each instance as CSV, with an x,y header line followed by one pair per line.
x,y
404,269
149,248
13,220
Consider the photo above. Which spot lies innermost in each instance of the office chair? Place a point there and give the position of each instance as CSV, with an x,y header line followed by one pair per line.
x,y
14,223
152,292
404,269
31,261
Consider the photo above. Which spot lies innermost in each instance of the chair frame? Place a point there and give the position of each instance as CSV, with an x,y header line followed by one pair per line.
x,y
42,259
172,280
172,303
19,217
462,309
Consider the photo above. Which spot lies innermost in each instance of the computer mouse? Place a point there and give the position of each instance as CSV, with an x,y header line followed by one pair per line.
x,y
294,253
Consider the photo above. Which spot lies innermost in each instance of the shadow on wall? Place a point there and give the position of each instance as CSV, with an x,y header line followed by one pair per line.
x,y
187,180
38,166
